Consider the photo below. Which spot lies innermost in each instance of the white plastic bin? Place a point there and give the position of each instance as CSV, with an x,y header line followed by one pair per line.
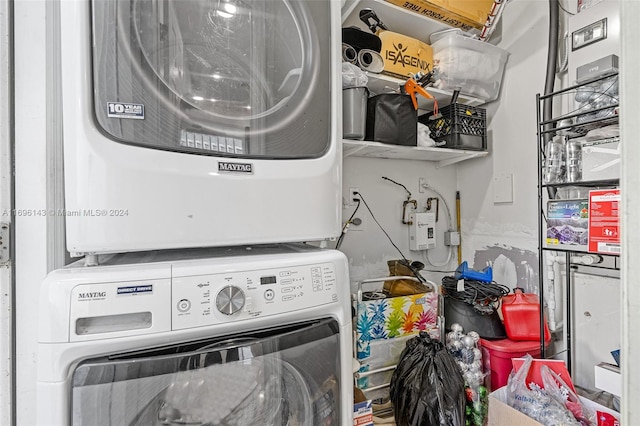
x,y
474,66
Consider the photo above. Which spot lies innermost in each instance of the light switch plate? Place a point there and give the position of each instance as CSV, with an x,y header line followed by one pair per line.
x,y
503,189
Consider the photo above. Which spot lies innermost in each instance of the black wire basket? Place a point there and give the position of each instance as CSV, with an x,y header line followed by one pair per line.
x,y
460,127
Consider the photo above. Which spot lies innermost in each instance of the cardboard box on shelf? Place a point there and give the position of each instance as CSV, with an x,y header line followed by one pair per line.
x,y
568,224
464,14
501,414
404,56
604,221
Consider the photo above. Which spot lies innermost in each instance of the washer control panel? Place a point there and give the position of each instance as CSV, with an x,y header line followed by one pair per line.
x,y
201,300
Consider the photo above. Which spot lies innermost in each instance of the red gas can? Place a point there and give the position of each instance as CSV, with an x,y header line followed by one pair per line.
x,y
521,315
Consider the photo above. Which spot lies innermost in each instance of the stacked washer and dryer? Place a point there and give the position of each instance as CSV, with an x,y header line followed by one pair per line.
x,y
201,155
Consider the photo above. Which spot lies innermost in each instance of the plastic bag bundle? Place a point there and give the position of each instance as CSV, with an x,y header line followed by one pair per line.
x,y
561,392
464,348
534,401
427,387
352,76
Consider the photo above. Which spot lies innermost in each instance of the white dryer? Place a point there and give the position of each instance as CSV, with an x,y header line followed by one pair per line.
x,y
242,336
198,123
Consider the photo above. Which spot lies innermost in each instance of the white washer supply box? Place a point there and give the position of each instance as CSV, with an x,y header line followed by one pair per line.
x,y
422,231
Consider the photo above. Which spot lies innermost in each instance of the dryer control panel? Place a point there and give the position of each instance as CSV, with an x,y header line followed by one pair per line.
x,y
202,300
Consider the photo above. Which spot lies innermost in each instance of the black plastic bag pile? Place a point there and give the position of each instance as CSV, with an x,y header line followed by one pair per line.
x,y
427,387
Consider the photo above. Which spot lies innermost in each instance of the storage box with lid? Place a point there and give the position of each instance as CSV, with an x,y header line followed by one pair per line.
x,y
474,66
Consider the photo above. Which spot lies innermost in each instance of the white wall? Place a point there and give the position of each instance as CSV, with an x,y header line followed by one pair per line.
x,y
368,250
512,143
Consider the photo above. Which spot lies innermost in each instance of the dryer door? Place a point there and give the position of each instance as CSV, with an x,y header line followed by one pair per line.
x,y
287,376
240,78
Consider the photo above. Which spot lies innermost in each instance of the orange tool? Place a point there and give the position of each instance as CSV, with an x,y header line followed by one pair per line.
x,y
411,87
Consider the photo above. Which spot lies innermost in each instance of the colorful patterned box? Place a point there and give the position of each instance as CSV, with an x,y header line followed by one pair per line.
x,y
382,328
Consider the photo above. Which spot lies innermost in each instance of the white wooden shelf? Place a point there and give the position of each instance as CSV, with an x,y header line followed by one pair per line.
x,y
395,18
442,156
380,83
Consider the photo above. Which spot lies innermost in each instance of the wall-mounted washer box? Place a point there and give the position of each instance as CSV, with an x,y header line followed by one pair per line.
x,y
422,231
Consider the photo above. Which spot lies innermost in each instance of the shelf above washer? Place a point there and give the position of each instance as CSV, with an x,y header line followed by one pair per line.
x,y
442,156
395,18
381,83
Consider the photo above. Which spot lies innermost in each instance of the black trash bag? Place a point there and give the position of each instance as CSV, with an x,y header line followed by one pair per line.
x,y
427,388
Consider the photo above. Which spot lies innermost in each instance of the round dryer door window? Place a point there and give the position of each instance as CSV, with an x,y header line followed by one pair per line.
x,y
195,75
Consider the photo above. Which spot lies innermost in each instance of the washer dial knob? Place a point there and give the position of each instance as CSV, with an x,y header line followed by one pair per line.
x,y
230,300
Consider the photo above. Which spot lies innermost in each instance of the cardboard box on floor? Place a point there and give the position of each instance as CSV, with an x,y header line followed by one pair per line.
x,y
501,414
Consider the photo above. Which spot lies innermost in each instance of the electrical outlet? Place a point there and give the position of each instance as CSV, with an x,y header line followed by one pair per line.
x,y
354,194
357,224
422,183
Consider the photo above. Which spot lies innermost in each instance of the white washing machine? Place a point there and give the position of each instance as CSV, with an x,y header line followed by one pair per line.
x,y
198,123
241,336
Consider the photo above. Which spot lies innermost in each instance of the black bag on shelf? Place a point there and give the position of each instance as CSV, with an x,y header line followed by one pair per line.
x,y
427,387
392,119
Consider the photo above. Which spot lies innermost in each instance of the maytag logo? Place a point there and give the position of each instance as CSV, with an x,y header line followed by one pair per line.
x,y
235,167
92,295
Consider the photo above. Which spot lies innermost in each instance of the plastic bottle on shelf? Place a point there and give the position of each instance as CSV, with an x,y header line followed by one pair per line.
x,y
573,161
554,162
